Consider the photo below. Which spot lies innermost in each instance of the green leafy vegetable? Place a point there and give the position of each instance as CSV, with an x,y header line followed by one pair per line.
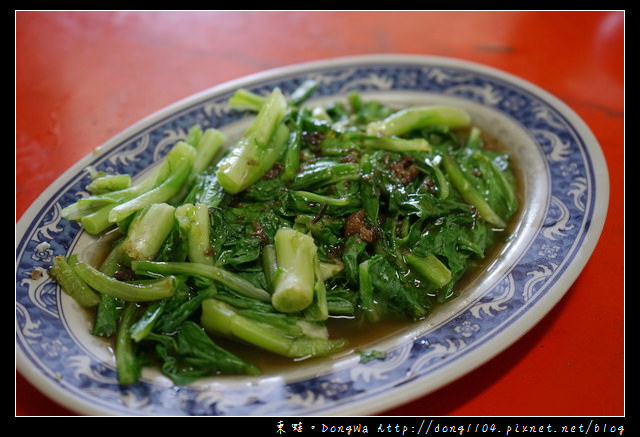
x,y
191,354
353,210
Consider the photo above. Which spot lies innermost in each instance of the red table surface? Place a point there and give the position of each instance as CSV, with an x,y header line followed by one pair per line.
x,y
82,77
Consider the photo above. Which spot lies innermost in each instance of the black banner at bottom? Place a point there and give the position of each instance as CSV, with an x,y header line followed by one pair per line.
x,y
438,426
392,426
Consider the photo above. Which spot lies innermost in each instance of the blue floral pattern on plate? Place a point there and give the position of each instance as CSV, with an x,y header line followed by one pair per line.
x,y
539,265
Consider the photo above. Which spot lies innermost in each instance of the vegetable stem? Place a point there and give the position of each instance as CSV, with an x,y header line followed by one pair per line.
x,y
406,120
220,318
258,149
224,277
431,268
469,193
72,284
139,291
180,159
296,255
127,363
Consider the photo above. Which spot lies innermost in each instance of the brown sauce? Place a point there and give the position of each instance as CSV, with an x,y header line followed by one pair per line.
x,y
364,337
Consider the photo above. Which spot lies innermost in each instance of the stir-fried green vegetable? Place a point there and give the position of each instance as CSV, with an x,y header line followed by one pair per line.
x,y
352,210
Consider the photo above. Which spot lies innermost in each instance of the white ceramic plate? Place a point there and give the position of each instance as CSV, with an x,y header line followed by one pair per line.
x,y
565,201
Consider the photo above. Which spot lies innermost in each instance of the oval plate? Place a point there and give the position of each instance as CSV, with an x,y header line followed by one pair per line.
x,y
564,200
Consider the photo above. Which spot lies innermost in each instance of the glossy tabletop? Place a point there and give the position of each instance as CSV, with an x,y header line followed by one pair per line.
x,y
82,77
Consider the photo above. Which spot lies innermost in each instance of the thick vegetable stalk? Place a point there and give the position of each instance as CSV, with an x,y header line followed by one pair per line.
x,y
180,160
148,230
296,257
392,143
207,148
245,100
98,212
406,120
207,144
99,202
109,183
258,149
284,335
195,224
431,268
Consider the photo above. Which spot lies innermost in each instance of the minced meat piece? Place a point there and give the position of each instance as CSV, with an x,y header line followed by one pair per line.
x,y
273,172
124,274
356,224
404,170
259,232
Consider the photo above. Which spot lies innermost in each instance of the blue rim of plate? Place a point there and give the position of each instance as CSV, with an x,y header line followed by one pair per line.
x,y
51,354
